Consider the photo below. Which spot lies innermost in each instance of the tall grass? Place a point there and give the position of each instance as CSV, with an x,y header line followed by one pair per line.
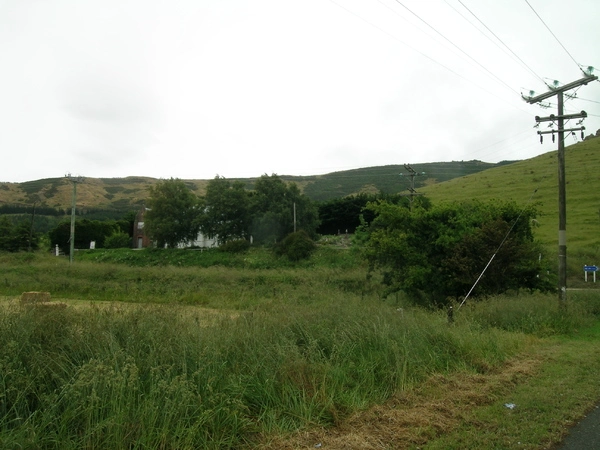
x,y
237,281
169,377
537,314
287,349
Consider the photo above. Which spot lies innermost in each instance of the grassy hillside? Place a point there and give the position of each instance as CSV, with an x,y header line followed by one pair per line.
x,y
105,193
518,181
388,178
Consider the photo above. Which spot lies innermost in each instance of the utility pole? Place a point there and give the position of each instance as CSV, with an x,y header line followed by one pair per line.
x,y
294,217
31,227
562,197
73,180
412,174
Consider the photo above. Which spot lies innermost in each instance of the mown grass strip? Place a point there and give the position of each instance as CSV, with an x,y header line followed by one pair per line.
x,y
527,402
564,387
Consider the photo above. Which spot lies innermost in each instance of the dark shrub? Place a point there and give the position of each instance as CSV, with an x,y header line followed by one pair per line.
x,y
235,246
296,246
118,240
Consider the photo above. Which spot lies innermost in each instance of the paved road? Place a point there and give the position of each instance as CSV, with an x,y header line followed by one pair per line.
x,y
585,435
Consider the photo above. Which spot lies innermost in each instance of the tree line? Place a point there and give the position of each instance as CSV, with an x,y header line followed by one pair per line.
x,y
433,253
269,212
228,211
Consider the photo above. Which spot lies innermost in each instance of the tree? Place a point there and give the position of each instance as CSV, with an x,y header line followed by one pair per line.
x,y
273,203
6,229
436,255
17,237
339,215
173,213
226,212
86,231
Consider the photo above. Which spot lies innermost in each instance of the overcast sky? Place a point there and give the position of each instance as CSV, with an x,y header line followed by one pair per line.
x,y
194,88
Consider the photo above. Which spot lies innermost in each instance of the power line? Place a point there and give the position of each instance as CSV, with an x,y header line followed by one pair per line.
x,y
502,42
399,40
503,99
586,100
456,46
478,29
548,28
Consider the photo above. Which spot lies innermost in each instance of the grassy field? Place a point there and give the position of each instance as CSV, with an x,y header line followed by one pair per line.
x,y
185,350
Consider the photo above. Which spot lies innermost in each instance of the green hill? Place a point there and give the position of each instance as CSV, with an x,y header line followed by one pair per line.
x,y
123,194
519,181
388,178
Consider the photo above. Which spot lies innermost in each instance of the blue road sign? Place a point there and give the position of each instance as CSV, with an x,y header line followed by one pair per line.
x,y
590,268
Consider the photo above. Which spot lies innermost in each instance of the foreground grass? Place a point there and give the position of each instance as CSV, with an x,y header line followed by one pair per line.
x,y
564,385
306,348
551,384
142,377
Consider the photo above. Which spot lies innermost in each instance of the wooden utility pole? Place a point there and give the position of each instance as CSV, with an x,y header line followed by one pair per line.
x,y
31,227
412,174
73,180
562,197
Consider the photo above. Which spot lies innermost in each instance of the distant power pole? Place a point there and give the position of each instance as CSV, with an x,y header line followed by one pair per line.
x,y
412,174
562,197
73,180
31,227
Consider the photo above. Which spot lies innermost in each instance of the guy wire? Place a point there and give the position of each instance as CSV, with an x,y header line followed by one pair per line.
x,y
497,250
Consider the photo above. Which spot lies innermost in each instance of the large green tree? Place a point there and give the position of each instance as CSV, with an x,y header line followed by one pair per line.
x,y
226,212
273,204
436,255
86,231
173,213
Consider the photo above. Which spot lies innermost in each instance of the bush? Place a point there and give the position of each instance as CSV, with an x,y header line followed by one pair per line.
x,y
296,246
235,246
118,240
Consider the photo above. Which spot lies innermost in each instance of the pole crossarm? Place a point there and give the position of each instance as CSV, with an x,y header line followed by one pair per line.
x,y
563,130
553,117
567,87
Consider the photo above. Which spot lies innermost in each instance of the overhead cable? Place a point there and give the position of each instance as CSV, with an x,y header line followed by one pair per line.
x,y
557,40
456,46
501,98
502,42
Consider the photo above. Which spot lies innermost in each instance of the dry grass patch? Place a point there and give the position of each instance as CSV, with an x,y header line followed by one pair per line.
x,y
35,297
40,300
